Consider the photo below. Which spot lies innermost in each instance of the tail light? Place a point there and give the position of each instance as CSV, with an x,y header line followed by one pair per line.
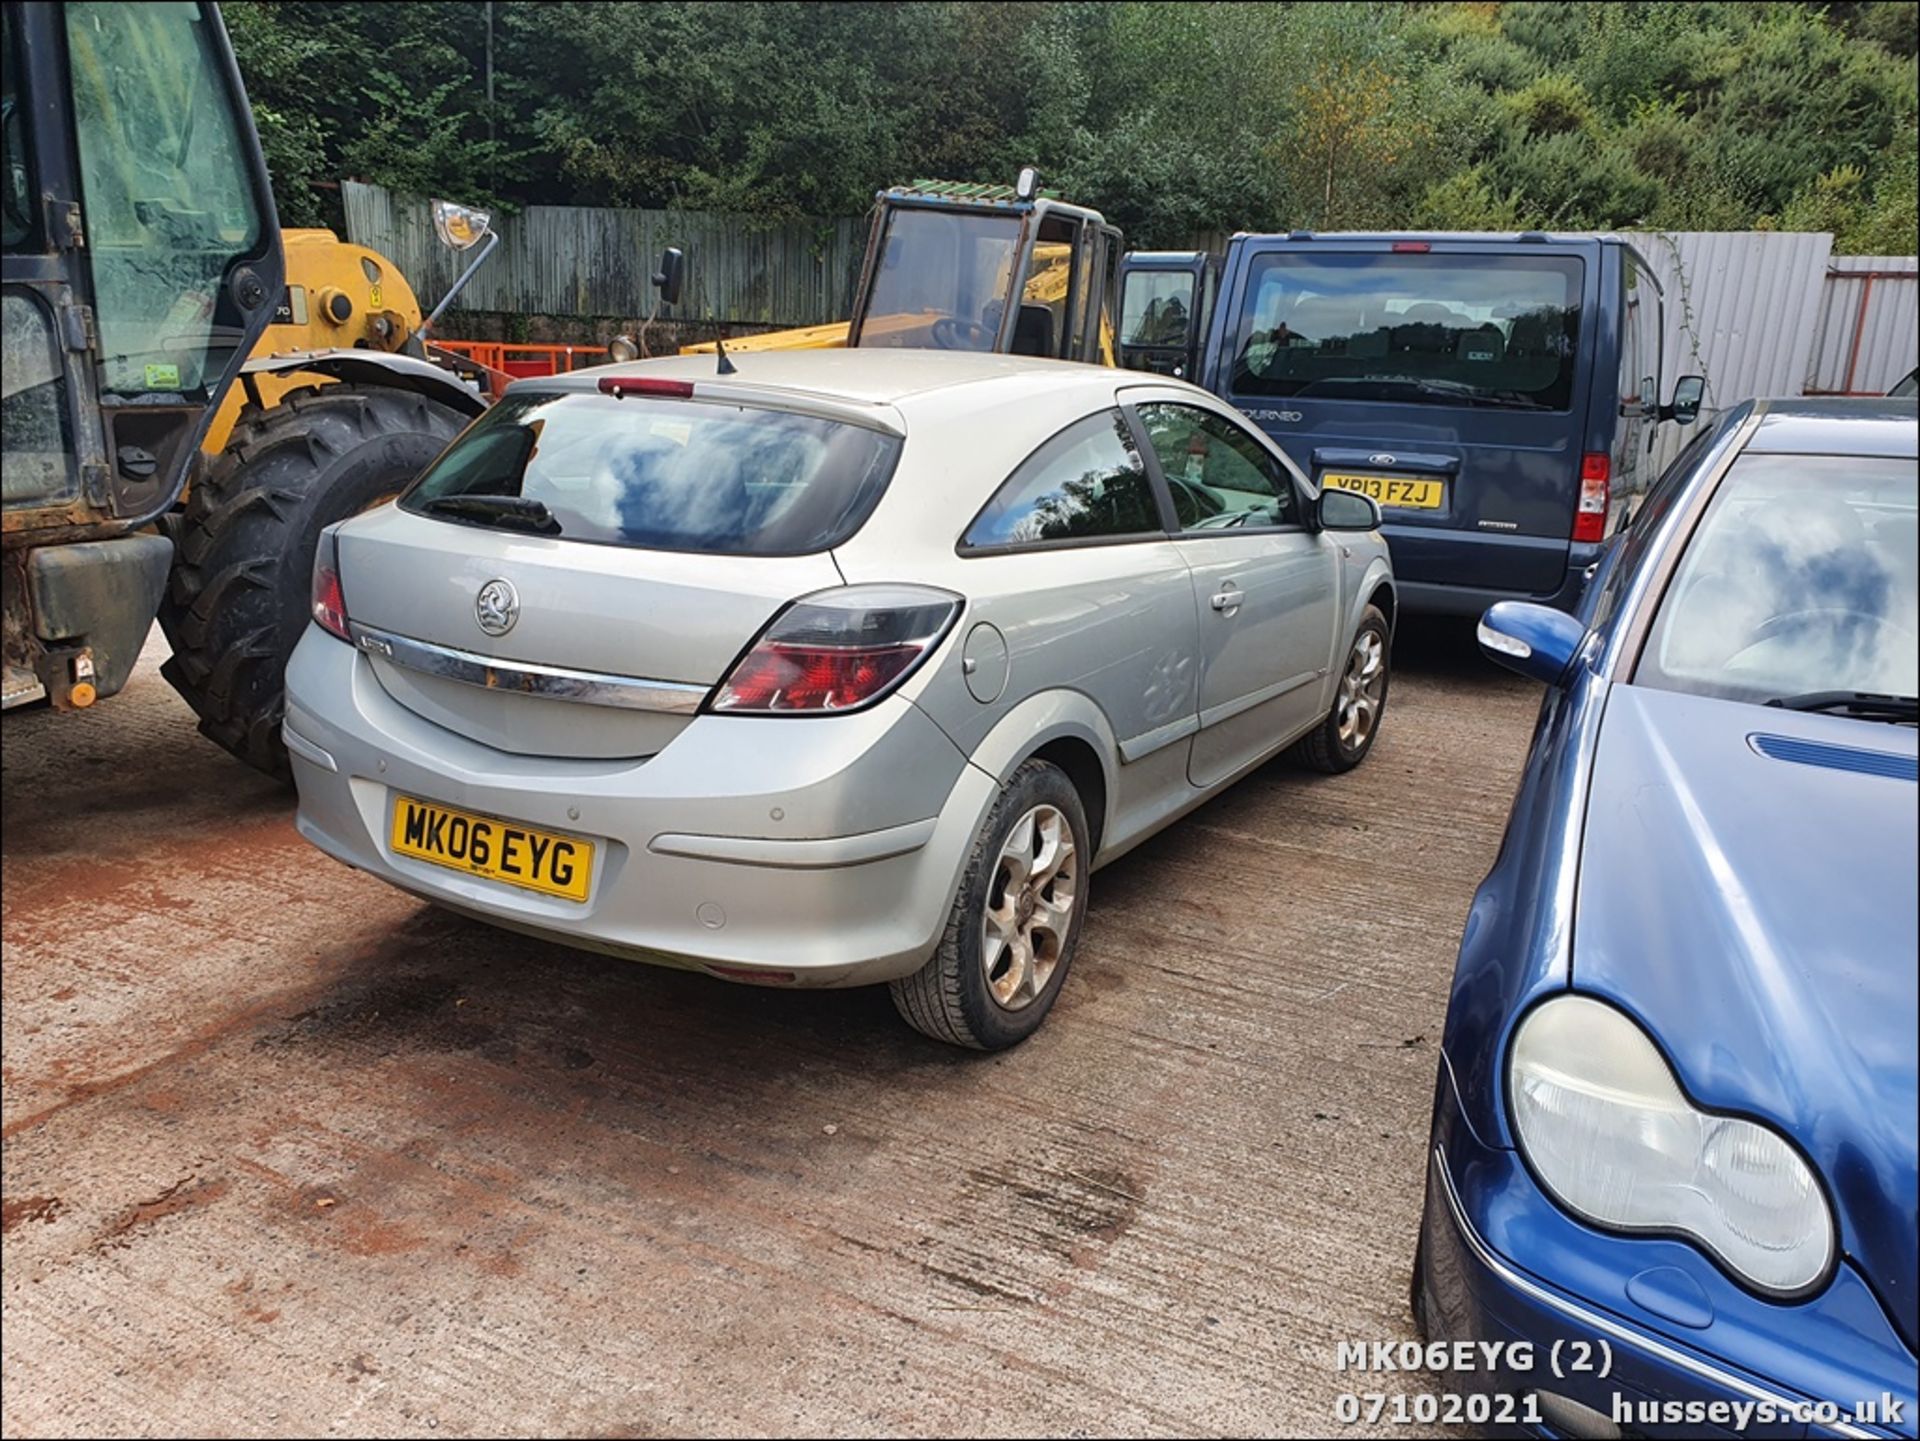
x,y
1590,520
838,650
329,601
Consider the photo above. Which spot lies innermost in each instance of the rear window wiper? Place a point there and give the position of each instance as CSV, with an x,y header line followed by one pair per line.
x,y
513,510
1868,705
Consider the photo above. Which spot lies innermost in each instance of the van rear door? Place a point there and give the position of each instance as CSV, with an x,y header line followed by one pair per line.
x,y
1447,378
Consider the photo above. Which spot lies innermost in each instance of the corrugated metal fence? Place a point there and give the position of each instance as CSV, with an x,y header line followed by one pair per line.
x,y
572,260
1740,310
1865,339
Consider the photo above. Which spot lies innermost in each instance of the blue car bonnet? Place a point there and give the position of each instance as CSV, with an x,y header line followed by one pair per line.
x,y
1747,891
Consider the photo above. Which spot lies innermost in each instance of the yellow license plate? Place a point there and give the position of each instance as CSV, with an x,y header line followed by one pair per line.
x,y
1392,490
520,855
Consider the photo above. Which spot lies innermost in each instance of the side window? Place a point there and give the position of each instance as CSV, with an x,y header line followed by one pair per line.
x,y
1156,308
1639,340
1087,483
1220,477
1652,326
36,461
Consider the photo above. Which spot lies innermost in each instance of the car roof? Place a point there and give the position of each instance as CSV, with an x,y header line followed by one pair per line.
x,y
878,376
1837,425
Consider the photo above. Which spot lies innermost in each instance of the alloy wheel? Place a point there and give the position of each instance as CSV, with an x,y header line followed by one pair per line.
x,y
1362,689
1029,909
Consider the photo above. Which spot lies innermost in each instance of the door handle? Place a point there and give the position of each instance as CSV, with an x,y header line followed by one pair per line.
x,y
1227,599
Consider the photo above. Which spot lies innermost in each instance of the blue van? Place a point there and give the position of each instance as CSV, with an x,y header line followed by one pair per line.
x,y
1496,394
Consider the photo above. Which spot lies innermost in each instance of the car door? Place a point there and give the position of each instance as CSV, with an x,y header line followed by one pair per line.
x,y
1264,582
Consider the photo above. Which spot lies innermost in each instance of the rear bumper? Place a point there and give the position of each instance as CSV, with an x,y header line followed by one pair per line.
x,y
1475,565
817,852
1501,1265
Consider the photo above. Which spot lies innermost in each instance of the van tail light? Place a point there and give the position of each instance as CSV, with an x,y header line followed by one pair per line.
x,y
838,650
329,601
1590,520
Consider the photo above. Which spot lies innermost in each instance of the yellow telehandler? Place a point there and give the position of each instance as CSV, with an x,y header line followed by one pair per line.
x,y
963,266
338,407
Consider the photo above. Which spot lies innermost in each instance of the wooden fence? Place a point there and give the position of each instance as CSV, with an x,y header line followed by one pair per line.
x,y
575,261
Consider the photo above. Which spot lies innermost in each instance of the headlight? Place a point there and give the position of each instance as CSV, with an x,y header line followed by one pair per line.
x,y
1610,1134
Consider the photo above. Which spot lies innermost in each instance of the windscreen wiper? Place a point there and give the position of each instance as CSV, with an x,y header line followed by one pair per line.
x,y
512,510
1868,705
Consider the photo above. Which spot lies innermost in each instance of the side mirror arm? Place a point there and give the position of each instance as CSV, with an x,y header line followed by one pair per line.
x,y
479,259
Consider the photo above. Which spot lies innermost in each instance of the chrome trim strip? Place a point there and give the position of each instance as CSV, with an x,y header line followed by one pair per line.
x,y
802,855
306,749
523,678
1637,1339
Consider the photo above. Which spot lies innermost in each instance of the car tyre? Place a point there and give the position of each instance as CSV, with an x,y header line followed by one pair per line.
x,y
1341,741
1010,937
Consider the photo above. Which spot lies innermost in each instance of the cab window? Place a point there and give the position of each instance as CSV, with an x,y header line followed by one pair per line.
x,y
167,191
1155,308
1220,477
1088,483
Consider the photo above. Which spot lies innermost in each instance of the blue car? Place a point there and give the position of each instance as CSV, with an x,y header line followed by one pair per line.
x,y
1671,1184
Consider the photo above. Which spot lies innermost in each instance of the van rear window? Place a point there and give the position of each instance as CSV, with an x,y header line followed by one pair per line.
x,y
1462,330
660,474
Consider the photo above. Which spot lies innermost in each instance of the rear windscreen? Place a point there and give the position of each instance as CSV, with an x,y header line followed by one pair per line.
x,y
1475,330
660,474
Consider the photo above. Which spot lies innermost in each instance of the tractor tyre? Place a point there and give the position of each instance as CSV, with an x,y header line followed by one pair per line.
x,y
238,599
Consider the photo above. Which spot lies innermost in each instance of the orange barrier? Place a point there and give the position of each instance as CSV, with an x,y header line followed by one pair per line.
x,y
505,362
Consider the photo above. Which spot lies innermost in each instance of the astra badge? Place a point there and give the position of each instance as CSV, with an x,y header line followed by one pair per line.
x,y
497,607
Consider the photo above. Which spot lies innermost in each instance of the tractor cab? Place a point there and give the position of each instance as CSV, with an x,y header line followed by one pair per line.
x,y
954,265
988,268
141,262
1165,297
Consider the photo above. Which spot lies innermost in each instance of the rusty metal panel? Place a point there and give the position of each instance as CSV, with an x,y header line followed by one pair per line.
x,y
1865,337
1740,309
574,260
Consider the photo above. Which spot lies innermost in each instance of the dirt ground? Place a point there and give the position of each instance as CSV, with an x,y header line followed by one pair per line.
x,y
287,1151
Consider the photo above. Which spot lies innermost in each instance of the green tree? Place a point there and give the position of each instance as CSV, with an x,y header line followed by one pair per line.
x,y
1178,120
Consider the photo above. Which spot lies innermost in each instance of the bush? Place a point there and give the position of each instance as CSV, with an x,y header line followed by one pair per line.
x,y
1573,182
1554,104
1466,200
1555,31
1492,63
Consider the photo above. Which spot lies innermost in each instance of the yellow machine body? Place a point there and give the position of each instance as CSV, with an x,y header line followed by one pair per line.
x,y
339,296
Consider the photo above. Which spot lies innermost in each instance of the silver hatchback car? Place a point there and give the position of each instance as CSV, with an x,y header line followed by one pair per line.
x,y
845,667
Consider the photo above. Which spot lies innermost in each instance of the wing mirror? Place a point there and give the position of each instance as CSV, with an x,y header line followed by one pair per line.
x,y
1688,392
1536,640
667,279
460,227
1348,510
